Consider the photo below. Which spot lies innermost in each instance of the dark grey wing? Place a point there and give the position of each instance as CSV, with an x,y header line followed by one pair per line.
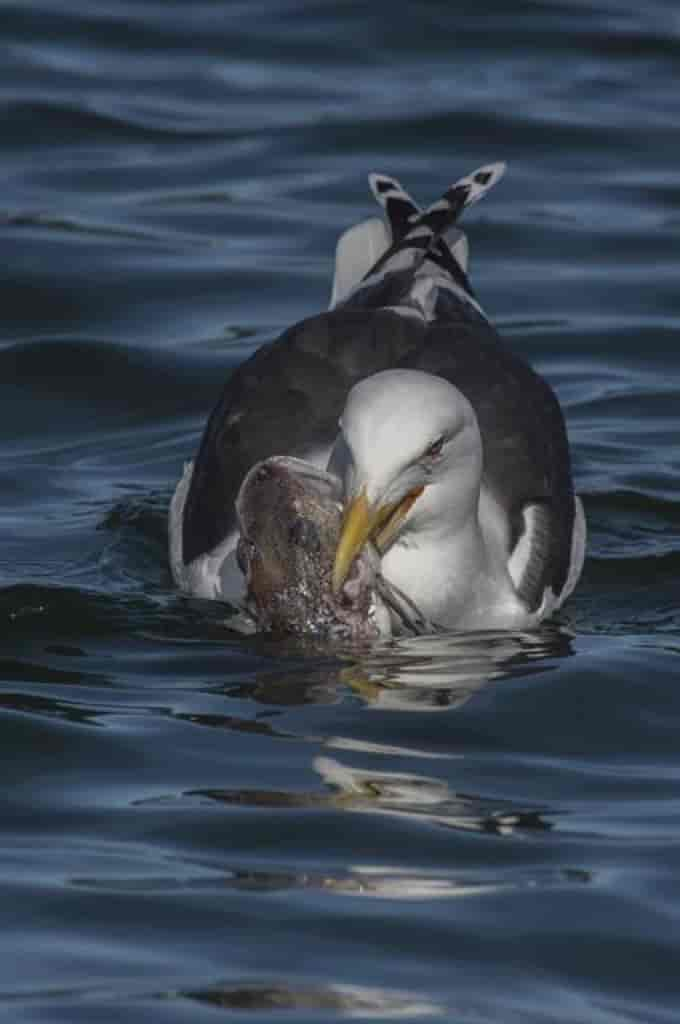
x,y
285,400
527,465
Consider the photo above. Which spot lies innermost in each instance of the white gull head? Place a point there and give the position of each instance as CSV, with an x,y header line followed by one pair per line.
x,y
409,456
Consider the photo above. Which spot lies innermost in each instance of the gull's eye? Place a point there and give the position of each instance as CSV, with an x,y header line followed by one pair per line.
x,y
435,449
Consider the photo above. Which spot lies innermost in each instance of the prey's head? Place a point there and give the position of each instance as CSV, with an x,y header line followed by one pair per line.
x,y
290,516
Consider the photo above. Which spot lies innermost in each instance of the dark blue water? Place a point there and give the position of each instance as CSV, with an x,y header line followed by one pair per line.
x,y
197,826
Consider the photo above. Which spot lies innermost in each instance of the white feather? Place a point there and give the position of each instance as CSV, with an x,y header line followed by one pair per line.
x,y
357,250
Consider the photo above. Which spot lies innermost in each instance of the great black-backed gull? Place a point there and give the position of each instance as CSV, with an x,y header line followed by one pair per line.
x,y
451,450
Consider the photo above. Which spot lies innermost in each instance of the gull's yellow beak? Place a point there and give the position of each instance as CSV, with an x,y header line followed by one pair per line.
x,y
364,522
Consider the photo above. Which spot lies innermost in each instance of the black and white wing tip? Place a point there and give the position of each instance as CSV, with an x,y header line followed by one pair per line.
x,y
421,230
398,205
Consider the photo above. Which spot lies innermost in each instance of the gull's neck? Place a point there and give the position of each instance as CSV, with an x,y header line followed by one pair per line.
x,y
454,576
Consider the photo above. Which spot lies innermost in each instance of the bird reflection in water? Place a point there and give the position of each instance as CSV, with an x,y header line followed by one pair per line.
x,y
423,797
426,673
432,673
350,1000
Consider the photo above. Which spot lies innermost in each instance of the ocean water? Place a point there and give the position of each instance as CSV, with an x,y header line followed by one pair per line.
x,y
198,826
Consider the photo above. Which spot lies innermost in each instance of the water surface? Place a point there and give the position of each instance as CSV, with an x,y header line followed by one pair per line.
x,y
200,826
